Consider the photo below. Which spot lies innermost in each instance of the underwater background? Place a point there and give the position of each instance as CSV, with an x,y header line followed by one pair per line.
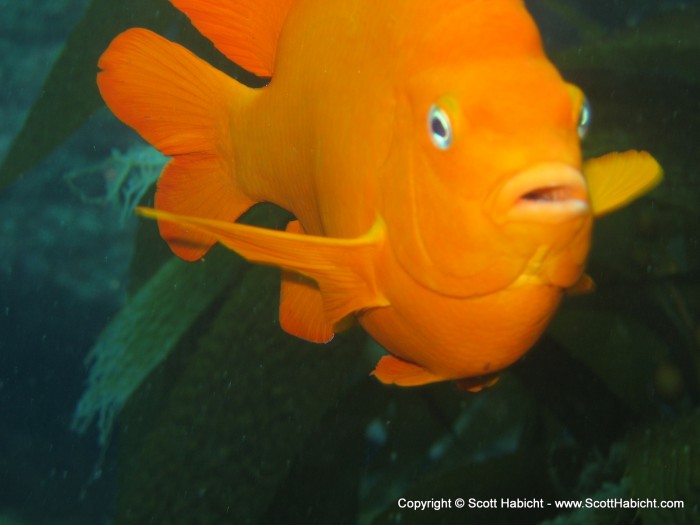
x,y
136,388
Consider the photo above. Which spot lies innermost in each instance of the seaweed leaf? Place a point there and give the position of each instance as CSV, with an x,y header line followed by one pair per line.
x,y
664,463
565,17
621,351
662,46
215,431
70,94
145,331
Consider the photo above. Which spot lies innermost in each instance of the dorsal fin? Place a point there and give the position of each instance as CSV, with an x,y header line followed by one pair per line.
x,y
246,31
180,104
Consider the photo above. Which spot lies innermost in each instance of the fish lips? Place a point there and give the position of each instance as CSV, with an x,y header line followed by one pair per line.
x,y
548,193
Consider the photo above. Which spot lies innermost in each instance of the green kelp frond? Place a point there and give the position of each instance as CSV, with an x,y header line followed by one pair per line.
x,y
214,437
574,18
70,94
663,46
663,463
120,180
144,332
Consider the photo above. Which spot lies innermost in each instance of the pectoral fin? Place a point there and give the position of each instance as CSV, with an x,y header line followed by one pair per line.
x,y
616,179
583,286
392,370
301,304
301,309
343,268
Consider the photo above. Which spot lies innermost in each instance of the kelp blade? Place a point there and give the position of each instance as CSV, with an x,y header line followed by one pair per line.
x,y
70,94
145,331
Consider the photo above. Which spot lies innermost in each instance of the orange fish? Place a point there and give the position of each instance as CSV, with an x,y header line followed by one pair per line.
x,y
429,151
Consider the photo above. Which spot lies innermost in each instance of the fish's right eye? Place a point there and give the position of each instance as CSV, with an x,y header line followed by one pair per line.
x,y
439,127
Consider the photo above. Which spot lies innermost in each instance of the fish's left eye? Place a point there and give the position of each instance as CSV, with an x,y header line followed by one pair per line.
x,y
439,127
584,119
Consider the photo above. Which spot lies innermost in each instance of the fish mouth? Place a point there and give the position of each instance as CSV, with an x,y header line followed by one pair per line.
x,y
546,193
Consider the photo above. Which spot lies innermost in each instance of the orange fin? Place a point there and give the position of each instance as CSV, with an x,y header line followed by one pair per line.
x,y
392,370
301,304
343,268
246,31
616,179
179,104
583,286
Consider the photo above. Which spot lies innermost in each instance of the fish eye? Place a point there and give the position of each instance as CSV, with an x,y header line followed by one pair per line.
x,y
439,127
584,119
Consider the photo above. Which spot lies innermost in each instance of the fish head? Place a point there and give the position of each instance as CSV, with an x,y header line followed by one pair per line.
x,y
483,186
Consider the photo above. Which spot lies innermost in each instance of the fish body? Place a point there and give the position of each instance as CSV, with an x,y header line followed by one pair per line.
x,y
429,151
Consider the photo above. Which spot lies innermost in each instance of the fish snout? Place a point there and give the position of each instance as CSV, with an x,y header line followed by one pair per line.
x,y
547,193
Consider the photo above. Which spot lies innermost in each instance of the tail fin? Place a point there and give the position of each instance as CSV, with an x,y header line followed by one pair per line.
x,y
182,106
